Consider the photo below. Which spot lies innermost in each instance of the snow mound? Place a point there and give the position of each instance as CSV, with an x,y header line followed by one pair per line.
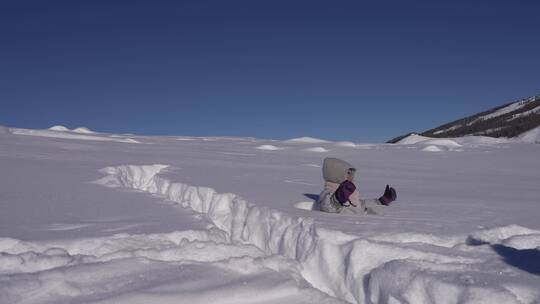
x,y
433,149
308,140
59,128
269,148
532,136
316,149
83,130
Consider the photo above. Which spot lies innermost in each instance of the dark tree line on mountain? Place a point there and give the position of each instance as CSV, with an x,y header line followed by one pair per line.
x,y
500,126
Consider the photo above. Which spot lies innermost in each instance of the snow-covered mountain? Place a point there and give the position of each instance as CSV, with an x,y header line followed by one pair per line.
x,y
509,120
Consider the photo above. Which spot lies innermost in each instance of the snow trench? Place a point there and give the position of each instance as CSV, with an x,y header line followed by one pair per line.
x,y
387,269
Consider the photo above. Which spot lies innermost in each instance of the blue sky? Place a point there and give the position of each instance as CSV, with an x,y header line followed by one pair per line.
x,y
364,71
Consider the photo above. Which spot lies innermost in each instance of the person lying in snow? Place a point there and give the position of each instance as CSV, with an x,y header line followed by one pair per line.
x,y
340,194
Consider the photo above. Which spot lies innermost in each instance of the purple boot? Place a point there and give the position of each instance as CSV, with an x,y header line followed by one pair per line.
x,y
389,196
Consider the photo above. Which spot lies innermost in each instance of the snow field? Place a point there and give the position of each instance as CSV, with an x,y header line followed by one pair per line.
x,y
255,251
358,270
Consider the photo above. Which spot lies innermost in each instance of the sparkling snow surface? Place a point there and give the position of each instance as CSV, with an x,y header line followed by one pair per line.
x,y
222,220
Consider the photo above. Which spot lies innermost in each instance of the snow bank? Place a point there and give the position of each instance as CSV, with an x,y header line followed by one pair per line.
x,y
59,128
268,148
59,133
393,269
4,130
83,130
316,149
307,140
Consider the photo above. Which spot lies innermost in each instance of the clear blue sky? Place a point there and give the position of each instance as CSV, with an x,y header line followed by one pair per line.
x,y
345,70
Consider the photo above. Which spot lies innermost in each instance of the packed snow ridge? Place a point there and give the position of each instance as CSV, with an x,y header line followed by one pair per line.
x,y
383,269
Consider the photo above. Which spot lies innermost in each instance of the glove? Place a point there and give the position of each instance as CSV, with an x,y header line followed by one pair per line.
x,y
389,196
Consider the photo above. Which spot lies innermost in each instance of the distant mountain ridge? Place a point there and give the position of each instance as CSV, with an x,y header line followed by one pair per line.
x,y
509,120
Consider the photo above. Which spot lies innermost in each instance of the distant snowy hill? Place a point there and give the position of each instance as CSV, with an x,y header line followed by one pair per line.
x,y
509,120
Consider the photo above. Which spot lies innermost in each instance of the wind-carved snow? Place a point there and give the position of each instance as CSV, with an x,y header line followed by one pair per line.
x,y
415,268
